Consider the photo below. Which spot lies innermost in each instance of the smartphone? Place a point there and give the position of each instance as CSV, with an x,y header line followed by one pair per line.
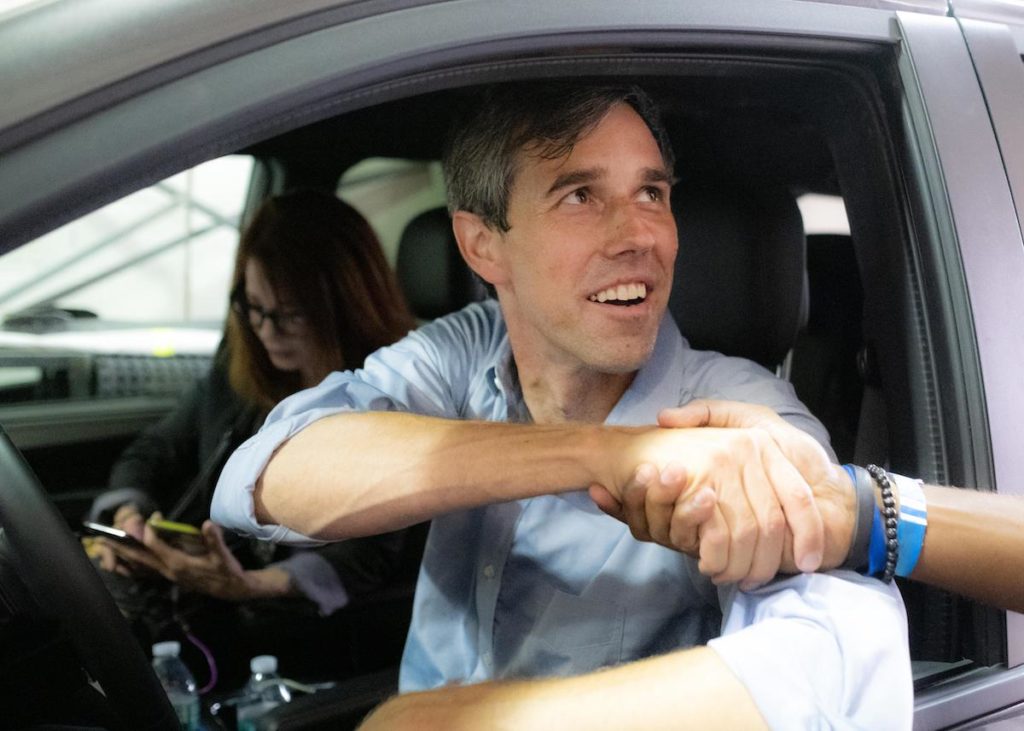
x,y
182,536
115,534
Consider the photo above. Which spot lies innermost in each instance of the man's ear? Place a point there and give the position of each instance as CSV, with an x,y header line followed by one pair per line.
x,y
480,246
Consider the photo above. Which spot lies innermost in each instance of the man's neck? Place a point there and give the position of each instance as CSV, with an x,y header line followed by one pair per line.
x,y
554,396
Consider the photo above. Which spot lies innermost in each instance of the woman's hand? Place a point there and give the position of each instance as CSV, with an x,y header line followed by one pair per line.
x,y
216,573
128,519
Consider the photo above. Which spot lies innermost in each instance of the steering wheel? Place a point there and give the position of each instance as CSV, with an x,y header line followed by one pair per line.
x,y
63,583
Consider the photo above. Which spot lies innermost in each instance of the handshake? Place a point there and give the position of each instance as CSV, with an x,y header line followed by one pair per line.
x,y
736,487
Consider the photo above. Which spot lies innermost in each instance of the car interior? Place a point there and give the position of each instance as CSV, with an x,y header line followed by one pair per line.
x,y
848,319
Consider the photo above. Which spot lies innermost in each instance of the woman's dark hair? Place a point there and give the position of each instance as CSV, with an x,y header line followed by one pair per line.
x,y
321,256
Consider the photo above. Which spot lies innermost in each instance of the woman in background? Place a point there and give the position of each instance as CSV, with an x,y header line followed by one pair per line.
x,y
311,293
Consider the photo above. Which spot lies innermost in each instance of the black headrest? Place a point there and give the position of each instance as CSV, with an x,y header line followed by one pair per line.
x,y
836,296
740,282
431,271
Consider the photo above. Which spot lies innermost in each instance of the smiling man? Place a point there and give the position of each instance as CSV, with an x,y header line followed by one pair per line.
x,y
493,421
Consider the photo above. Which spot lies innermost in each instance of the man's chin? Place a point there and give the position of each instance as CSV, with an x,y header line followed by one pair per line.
x,y
624,359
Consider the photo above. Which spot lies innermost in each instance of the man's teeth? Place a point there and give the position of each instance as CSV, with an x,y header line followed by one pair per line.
x,y
621,293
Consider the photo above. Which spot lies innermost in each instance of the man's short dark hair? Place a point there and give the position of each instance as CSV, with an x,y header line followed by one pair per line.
x,y
546,118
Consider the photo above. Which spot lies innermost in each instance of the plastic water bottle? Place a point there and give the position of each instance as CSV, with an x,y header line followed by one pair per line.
x,y
264,691
178,683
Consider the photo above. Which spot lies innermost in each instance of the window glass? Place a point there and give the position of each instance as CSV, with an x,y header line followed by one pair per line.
x,y
128,300
161,255
823,214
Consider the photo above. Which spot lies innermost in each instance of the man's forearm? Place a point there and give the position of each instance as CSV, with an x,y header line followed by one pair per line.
x,y
358,474
365,473
685,689
974,545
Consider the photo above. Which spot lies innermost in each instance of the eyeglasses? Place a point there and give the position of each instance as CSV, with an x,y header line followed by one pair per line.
x,y
285,322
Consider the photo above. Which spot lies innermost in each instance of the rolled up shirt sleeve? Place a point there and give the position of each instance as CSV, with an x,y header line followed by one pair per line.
x,y
409,376
821,651
232,505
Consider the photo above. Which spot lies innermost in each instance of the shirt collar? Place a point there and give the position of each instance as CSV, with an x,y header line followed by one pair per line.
x,y
502,378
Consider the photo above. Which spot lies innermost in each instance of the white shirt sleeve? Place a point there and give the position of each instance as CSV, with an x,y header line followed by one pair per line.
x,y
232,505
316,580
821,651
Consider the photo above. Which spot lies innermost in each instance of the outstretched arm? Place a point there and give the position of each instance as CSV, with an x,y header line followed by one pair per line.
x,y
688,689
974,545
356,474
811,650
963,524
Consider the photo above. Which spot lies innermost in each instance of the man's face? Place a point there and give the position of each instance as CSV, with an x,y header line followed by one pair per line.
x,y
589,257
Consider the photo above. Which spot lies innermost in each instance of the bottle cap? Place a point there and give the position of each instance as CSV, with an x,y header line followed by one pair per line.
x,y
263,664
167,649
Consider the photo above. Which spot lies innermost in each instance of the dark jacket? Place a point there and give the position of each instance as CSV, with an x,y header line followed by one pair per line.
x,y
173,467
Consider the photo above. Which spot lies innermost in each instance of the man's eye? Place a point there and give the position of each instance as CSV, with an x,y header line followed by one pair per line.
x,y
654,194
578,196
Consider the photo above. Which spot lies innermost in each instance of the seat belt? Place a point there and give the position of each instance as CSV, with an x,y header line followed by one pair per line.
x,y
202,486
872,444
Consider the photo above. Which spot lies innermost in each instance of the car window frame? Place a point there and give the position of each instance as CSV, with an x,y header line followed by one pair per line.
x,y
978,254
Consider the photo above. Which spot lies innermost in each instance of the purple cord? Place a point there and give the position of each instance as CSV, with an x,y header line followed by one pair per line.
x,y
210,662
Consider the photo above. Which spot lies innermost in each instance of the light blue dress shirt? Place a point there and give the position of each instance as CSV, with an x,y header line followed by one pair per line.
x,y
552,586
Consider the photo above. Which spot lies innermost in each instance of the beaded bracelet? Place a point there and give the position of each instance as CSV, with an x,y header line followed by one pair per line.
x,y
869,544
890,517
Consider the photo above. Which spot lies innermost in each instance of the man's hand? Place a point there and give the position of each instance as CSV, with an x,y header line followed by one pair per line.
x,y
830,485
216,573
757,491
658,507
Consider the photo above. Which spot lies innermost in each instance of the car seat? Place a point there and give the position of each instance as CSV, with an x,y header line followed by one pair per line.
x,y
431,271
749,283
740,280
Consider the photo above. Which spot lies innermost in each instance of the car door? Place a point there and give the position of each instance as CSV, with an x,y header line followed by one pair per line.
x,y
984,177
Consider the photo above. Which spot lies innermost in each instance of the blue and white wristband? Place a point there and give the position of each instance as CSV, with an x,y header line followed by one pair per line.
x,y
913,523
873,546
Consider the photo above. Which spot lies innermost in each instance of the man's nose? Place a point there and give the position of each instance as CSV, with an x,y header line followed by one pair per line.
x,y
630,230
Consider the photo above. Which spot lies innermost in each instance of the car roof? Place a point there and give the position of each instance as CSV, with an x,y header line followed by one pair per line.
x,y
226,62
98,44
94,45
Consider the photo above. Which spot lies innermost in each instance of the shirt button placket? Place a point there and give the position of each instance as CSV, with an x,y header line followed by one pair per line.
x,y
499,522
488,574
